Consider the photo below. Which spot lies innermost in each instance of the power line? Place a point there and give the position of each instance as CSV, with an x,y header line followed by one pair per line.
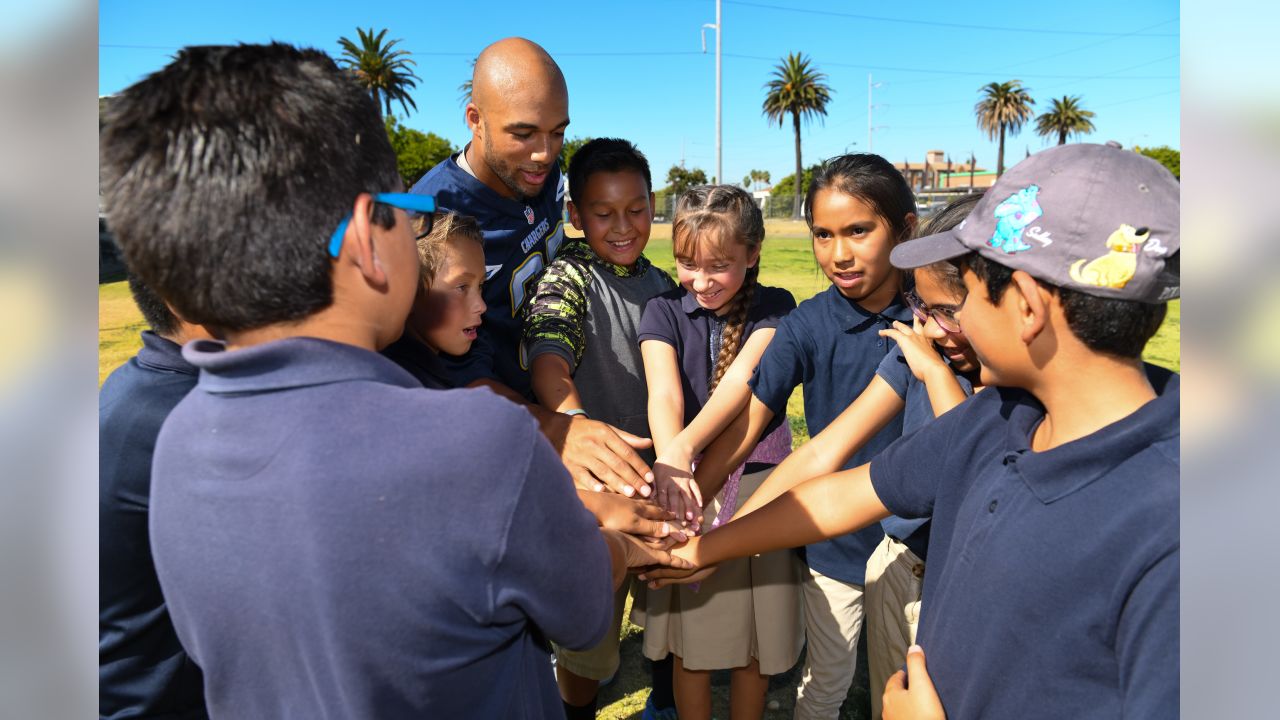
x,y
1137,99
985,73
934,23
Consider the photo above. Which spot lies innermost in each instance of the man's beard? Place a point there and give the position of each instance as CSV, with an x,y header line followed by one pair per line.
x,y
508,174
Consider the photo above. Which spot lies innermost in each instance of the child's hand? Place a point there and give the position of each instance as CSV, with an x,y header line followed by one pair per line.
x,y
674,575
918,350
910,695
676,490
633,516
640,554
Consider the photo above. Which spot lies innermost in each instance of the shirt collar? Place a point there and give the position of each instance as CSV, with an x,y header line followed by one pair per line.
x,y
853,316
689,304
159,353
1054,474
289,363
581,249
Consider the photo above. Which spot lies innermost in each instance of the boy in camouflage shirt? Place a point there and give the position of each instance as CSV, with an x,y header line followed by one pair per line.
x,y
580,335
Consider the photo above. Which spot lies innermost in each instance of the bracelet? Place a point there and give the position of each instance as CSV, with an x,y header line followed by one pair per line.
x,y
576,411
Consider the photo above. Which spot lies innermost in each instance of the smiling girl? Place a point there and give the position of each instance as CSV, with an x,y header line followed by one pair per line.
x,y
700,344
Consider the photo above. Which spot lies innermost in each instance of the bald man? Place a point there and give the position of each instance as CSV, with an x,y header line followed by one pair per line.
x,y
508,178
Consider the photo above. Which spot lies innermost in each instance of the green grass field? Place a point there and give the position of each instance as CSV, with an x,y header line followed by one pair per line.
x,y
786,262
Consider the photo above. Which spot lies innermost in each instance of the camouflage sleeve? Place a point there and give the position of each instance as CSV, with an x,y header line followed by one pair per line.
x,y
556,317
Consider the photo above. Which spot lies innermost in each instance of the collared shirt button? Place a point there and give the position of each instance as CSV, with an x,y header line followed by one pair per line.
x,y
992,507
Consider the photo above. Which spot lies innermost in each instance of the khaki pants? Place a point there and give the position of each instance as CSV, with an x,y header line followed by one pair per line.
x,y
601,661
894,576
832,621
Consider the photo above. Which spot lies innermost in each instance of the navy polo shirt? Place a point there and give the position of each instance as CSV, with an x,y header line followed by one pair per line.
x,y
336,541
1057,596
918,412
832,346
420,361
142,668
676,318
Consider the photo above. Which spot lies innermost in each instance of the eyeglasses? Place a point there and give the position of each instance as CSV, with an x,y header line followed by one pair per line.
x,y
945,317
423,205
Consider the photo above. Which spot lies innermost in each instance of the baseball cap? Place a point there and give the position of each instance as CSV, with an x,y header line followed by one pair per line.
x,y
1094,218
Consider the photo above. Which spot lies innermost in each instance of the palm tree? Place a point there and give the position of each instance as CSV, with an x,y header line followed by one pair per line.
x,y
1065,117
465,88
800,91
1004,107
381,69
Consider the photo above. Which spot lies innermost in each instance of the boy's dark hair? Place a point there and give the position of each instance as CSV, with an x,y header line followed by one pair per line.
x,y
158,315
871,179
605,155
226,172
1105,325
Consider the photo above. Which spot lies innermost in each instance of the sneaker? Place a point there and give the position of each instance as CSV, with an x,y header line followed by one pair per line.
x,y
652,713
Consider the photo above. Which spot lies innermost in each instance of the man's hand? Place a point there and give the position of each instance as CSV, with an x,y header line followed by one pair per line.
x,y
910,695
676,490
633,516
599,456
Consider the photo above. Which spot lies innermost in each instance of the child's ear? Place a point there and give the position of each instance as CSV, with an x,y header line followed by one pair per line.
x,y
1033,305
574,218
360,243
653,210
912,221
753,257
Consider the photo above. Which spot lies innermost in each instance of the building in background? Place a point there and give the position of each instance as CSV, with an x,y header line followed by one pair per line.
x,y
938,172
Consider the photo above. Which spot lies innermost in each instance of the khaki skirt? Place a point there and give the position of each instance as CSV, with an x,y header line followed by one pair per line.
x,y
749,608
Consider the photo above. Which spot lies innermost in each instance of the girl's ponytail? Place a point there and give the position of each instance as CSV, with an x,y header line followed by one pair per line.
x,y
731,338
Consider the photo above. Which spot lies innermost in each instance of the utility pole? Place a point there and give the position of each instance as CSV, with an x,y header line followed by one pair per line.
x,y
719,158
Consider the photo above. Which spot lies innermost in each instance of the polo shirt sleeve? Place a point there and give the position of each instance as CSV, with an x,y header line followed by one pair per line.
x,y
1147,643
895,371
659,321
906,474
774,304
555,566
557,314
782,367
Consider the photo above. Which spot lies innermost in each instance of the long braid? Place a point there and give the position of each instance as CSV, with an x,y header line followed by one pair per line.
x,y
731,338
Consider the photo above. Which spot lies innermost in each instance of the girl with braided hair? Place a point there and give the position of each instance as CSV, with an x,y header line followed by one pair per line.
x,y
700,344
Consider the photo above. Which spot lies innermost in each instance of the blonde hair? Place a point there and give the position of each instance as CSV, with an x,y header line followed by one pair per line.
x,y
446,227
721,214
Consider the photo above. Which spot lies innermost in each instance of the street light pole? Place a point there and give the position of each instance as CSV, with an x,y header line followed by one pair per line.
x,y
719,161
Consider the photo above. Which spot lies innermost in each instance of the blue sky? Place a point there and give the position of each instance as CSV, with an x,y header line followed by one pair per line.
x,y
636,70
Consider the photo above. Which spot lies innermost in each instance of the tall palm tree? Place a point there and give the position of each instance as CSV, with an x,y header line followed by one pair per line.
x,y
465,88
1004,107
1065,117
380,68
800,91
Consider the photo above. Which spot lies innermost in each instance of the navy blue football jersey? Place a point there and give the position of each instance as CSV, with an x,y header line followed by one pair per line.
x,y
520,239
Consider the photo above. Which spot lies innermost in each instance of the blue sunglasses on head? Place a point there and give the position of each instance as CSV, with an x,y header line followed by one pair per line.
x,y
420,204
